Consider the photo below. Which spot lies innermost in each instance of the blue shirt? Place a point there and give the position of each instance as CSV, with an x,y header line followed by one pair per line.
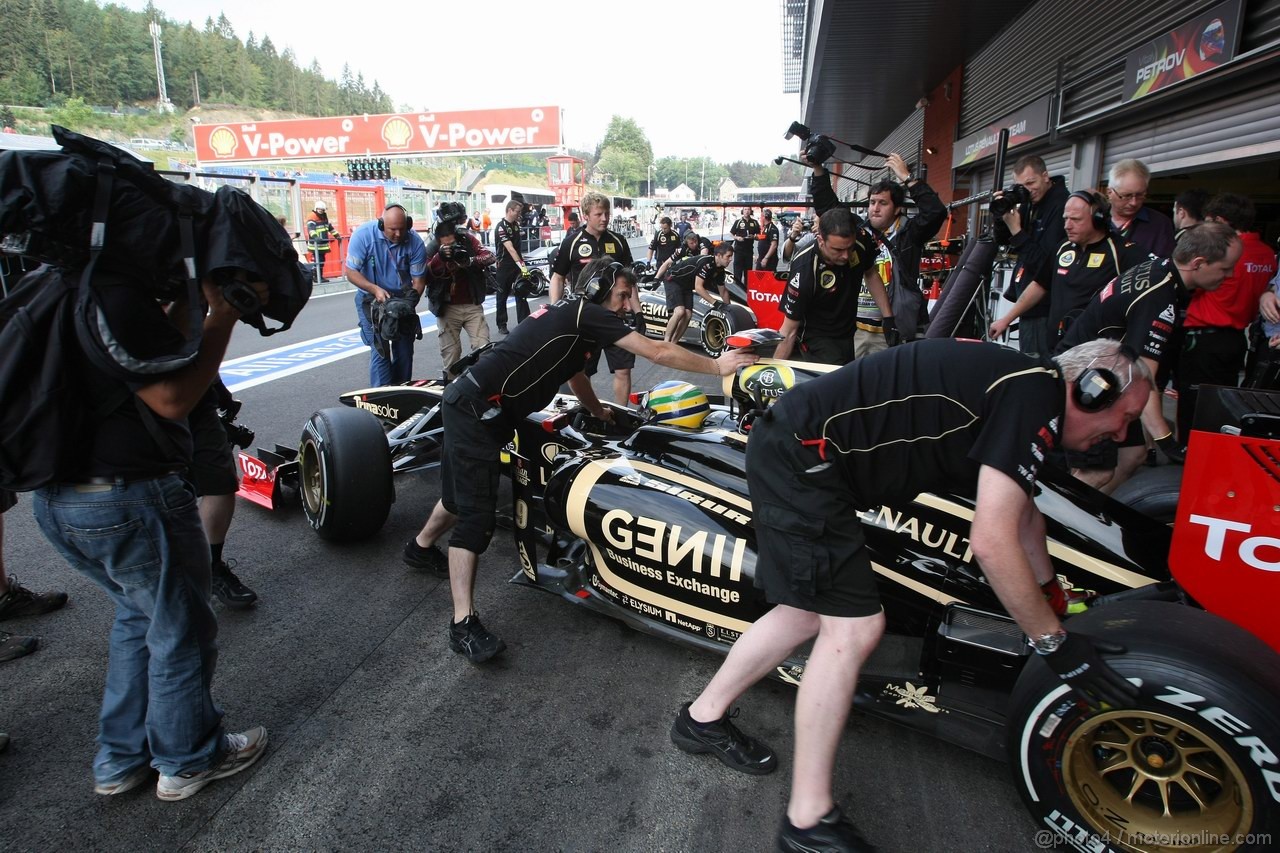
x,y
389,265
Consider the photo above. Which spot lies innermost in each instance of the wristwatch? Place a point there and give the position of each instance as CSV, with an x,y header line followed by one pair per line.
x,y
1047,644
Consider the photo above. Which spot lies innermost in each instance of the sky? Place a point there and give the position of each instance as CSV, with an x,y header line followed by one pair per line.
x,y
702,78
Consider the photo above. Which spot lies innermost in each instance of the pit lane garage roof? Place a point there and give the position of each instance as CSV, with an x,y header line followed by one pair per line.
x,y
865,64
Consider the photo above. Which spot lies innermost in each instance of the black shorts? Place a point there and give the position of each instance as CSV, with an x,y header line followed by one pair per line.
x,y
811,552
678,296
213,464
827,350
7,500
471,463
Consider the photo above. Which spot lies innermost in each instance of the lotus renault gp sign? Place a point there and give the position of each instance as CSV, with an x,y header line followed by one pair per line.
x,y
516,129
1202,44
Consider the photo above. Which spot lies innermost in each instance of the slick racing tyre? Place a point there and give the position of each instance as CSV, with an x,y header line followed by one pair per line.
x,y
344,474
1153,491
1193,765
715,332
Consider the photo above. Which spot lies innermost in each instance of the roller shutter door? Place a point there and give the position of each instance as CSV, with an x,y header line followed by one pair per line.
x,y
1239,126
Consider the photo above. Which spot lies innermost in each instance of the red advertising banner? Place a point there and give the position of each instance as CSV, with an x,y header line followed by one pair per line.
x,y
339,137
764,293
1202,44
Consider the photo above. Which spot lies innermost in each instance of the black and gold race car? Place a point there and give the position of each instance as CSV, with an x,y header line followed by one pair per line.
x,y
652,525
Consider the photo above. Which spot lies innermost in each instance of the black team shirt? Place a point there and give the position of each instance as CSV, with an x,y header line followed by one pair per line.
x,y
701,267
822,297
1076,273
579,248
664,245
924,417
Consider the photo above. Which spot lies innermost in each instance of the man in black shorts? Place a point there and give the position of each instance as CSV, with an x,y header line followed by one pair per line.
x,y
482,407
935,415
690,275
213,473
577,250
820,304
1144,309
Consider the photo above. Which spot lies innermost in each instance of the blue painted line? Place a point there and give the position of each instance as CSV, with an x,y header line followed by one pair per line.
x,y
258,369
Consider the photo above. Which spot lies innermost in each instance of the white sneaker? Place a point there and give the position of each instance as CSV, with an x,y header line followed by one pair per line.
x,y
240,751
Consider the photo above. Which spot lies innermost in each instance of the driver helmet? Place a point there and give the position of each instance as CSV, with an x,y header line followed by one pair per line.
x,y
767,382
676,403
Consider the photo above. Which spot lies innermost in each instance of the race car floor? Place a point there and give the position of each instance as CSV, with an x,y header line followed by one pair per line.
x,y
382,739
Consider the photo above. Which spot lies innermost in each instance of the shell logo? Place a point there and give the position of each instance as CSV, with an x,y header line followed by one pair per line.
x,y
396,132
223,142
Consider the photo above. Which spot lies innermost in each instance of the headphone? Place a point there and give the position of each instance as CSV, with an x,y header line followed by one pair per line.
x,y
408,220
597,289
1101,210
1098,388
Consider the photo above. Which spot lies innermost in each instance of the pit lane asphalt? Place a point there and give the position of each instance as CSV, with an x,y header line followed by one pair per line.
x,y
381,738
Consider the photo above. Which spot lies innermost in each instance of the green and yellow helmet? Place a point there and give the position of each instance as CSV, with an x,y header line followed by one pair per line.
x,y
676,403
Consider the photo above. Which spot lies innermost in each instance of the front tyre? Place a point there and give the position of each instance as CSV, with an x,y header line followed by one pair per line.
x,y
1194,765
344,474
715,332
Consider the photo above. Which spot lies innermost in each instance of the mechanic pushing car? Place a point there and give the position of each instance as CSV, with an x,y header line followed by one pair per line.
x,y
693,274
936,415
505,384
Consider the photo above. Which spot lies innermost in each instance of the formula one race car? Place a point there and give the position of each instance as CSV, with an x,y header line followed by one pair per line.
x,y
711,324
651,524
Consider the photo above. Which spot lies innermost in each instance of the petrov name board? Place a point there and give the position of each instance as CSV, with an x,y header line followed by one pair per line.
x,y
514,129
1202,44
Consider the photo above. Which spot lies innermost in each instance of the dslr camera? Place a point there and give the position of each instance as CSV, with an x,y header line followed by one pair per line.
x,y
459,251
1013,197
817,148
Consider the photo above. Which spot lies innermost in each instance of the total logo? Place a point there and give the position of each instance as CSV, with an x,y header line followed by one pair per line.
x,y
1247,548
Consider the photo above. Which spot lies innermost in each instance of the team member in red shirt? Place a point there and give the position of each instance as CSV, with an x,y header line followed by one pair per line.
x,y
1213,342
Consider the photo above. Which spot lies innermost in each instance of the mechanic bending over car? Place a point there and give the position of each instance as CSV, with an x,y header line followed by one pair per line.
x,y
689,275
939,416
820,303
1144,309
507,382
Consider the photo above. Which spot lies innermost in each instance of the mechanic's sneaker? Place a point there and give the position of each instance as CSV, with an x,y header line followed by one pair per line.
x,y
20,601
502,330
723,740
474,640
15,646
430,559
127,782
833,832
240,751
228,588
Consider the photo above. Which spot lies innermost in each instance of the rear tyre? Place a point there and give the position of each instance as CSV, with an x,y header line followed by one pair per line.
x,y
1153,491
1191,766
715,333
344,474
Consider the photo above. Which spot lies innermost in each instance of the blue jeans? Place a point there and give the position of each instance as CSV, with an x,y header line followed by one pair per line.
x,y
393,371
142,542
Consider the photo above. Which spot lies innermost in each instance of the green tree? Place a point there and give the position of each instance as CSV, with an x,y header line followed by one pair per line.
x,y
626,136
73,114
625,167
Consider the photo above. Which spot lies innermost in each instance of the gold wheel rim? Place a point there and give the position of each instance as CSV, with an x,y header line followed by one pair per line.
x,y
716,333
1159,783
312,481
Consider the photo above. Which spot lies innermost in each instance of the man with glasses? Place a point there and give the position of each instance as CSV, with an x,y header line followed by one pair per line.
x,y
1130,218
386,259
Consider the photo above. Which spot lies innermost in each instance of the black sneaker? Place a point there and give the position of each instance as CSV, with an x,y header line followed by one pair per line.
x,y
16,646
502,330
833,832
20,601
723,740
228,587
474,640
430,559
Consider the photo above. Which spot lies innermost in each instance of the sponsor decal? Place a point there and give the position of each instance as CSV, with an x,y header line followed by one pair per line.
x,y
1168,314
1250,266
397,133
1204,43
1235,728
1106,292
610,248
584,249
926,533
551,450
909,696
1067,258
253,468
379,409
767,381
827,279
223,142
1096,259
1248,549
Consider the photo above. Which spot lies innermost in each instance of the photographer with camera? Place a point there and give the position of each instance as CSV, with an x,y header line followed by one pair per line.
x,y
900,242
820,304
1090,257
387,260
456,291
123,515
1029,221
801,235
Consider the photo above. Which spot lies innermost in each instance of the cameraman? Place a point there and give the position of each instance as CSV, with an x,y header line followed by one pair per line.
x,y
456,291
1033,230
386,259
900,242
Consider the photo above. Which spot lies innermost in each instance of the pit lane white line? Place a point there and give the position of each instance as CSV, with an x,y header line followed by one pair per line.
x,y
262,367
